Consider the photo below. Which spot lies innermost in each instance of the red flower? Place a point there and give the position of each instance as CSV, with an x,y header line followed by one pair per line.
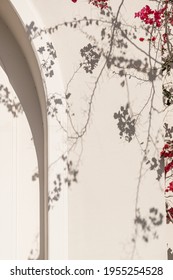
x,y
169,215
166,146
141,39
149,16
74,1
166,154
166,151
153,38
169,188
169,166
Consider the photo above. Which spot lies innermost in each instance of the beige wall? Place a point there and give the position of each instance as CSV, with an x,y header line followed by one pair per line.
x,y
101,205
99,223
20,195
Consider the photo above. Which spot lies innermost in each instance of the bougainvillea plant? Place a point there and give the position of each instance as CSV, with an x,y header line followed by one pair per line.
x,y
157,25
161,21
167,154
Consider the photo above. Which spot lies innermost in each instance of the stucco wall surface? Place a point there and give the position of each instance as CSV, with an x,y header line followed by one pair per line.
x,y
101,205
105,130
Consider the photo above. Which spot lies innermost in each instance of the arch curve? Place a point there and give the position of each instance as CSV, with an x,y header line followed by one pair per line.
x,y
27,81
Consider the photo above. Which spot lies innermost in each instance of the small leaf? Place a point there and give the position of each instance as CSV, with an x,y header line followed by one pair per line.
x,y
58,101
41,50
68,95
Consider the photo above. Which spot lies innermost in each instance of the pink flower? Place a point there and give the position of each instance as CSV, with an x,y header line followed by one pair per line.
x,y
137,14
149,16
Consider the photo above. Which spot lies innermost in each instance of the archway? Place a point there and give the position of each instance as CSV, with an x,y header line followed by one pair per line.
x,y
20,65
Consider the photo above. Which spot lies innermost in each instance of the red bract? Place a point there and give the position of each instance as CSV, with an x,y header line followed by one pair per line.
x,y
169,188
169,215
153,39
151,17
168,167
166,146
167,151
166,155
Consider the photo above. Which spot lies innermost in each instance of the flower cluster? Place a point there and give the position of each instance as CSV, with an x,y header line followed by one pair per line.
x,y
151,17
157,18
167,152
169,188
168,167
